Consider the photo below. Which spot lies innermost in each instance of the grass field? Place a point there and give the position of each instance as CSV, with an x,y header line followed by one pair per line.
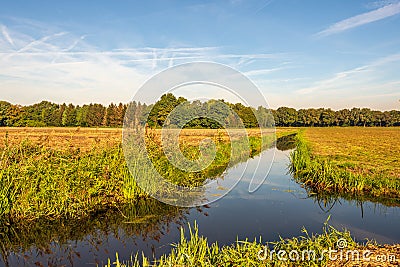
x,y
358,149
356,161
62,138
86,138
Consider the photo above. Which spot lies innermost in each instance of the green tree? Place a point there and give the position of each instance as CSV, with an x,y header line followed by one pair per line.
x,y
286,116
111,117
95,115
162,109
4,107
69,116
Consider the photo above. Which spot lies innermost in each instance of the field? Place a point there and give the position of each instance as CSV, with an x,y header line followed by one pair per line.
x,y
360,150
362,162
87,138
62,138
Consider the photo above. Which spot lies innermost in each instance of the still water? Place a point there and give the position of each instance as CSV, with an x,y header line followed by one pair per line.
x,y
279,208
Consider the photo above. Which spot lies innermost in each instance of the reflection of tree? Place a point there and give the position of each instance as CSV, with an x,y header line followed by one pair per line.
x,y
326,201
286,142
56,241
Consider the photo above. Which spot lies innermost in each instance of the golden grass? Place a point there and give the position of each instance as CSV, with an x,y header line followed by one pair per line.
x,y
62,138
362,150
86,138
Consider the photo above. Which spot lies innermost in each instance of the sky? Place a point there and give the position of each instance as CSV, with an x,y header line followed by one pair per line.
x,y
336,54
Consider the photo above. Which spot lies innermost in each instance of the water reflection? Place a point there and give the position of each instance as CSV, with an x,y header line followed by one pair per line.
x,y
63,242
286,142
326,202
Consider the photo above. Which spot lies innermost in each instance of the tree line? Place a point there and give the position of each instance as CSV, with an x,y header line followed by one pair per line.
x,y
193,114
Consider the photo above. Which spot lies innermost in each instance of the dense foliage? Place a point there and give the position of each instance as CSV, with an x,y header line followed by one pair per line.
x,y
97,115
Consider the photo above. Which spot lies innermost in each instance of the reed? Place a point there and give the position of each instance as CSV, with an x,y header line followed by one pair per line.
x,y
196,251
43,182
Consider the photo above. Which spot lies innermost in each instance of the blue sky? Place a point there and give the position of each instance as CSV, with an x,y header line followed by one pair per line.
x,y
336,54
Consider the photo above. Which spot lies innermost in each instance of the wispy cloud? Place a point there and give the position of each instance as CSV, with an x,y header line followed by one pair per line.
x,y
374,85
362,19
60,66
6,35
263,71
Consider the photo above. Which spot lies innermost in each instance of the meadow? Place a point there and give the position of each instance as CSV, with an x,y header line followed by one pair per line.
x,y
359,161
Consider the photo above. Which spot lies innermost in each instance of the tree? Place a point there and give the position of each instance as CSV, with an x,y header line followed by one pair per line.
x,y
264,117
344,117
286,116
365,116
69,116
15,116
162,109
46,113
111,117
4,107
328,117
120,114
246,114
81,115
95,115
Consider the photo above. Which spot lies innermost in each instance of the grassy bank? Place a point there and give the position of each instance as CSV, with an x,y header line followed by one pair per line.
x,y
37,181
320,164
306,250
40,180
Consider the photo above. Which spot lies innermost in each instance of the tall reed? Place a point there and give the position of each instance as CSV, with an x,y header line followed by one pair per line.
x,y
196,251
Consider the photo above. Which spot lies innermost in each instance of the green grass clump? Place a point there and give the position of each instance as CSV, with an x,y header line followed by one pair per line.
x,y
43,182
321,175
196,251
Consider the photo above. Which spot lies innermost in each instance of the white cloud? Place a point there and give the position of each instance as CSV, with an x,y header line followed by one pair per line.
x,y
362,19
52,64
362,74
6,35
262,72
374,85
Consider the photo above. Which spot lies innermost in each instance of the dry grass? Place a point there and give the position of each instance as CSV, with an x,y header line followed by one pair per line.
x,y
360,150
193,137
62,138
86,138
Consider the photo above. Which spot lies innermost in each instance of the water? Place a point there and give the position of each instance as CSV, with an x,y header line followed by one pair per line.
x,y
279,208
